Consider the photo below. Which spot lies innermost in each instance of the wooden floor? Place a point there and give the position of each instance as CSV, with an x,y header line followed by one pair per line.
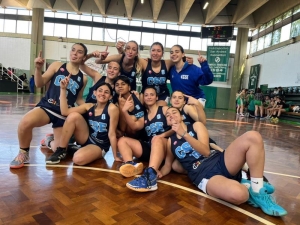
x,y
96,194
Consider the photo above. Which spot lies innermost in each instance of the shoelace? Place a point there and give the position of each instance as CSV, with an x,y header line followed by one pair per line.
x,y
21,157
59,153
269,199
145,176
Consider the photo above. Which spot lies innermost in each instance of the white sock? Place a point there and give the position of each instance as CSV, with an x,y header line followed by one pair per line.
x,y
244,175
257,184
245,167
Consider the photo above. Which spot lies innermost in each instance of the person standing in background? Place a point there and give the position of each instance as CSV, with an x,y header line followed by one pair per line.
x,y
31,84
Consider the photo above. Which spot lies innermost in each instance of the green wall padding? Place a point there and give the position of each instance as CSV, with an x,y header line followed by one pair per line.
x,y
223,96
87,87
211,96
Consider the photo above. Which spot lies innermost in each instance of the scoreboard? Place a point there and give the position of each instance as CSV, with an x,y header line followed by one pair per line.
x,y
217,32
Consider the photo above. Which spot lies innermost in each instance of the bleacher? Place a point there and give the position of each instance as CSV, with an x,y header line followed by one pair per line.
x,y
292,98
10,81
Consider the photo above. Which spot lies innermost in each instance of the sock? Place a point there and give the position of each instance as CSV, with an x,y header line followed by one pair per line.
x,y
257,184
245,167
64,149
25,149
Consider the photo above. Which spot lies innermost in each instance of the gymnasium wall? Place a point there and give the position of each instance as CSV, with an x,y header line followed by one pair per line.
x,y
279,67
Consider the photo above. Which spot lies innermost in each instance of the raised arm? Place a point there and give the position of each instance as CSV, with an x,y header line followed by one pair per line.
x,y
91,73
80,100
207,76
40,79
64,107
200,144
113,123
195,110
134,125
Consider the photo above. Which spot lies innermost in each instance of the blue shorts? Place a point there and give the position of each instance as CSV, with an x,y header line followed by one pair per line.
x,y
164,97
213,166
104,147
146,148
56,121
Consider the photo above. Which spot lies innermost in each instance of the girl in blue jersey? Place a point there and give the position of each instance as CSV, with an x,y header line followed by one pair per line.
x,y
96,134
136,110
129,62
113,70
215,173
156,129
186,77
48,110
155,72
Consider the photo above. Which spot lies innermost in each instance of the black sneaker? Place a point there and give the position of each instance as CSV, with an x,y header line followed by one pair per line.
x,y
58,155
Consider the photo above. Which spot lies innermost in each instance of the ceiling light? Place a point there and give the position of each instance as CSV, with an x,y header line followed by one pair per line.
x,y
205,6
142,1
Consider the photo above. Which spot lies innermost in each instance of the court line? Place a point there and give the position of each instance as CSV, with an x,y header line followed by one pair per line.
x,y
249,214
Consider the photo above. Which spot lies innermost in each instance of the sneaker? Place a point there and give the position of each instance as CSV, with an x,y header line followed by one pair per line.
x,y
146,182
21,159
58,155
269,187
46,141
262,118
242,115
130,169
251,116
266,202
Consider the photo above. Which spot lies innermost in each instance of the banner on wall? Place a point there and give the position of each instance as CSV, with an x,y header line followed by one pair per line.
x,y
218,58
253,77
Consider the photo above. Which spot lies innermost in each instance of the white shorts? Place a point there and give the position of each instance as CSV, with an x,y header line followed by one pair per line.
x,y
202,101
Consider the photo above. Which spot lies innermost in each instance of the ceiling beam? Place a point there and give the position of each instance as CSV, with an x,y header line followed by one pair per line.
x,y
214,8
183,7
272,9
49,3
245,8
75,4
130,5
156,6
23,3
102,6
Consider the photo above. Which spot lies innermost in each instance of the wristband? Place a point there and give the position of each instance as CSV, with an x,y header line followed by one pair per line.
x,y
183,134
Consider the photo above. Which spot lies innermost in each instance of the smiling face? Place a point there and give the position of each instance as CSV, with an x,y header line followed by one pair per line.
x,y
150,96
131,50
113,70
177,99
103,94
176,54
121,87
156,52
173,116
77,53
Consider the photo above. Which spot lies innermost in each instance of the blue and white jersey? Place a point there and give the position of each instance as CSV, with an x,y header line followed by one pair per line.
x,y
131,74
51,99
157,80
99,126
157,125
138,110
91,98
189,158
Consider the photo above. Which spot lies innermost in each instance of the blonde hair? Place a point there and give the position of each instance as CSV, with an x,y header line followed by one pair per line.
x,y
137,57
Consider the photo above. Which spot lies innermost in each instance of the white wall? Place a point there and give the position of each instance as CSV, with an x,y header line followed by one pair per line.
x,y
15,52
278,68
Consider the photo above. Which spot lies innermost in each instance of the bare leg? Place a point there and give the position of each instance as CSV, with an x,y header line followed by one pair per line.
x,y
129,147
87,154
256,111
158,152
37,117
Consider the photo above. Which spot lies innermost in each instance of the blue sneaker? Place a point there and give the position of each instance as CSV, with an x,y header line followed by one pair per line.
x,y
269,187
266,202
130,169
146,182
